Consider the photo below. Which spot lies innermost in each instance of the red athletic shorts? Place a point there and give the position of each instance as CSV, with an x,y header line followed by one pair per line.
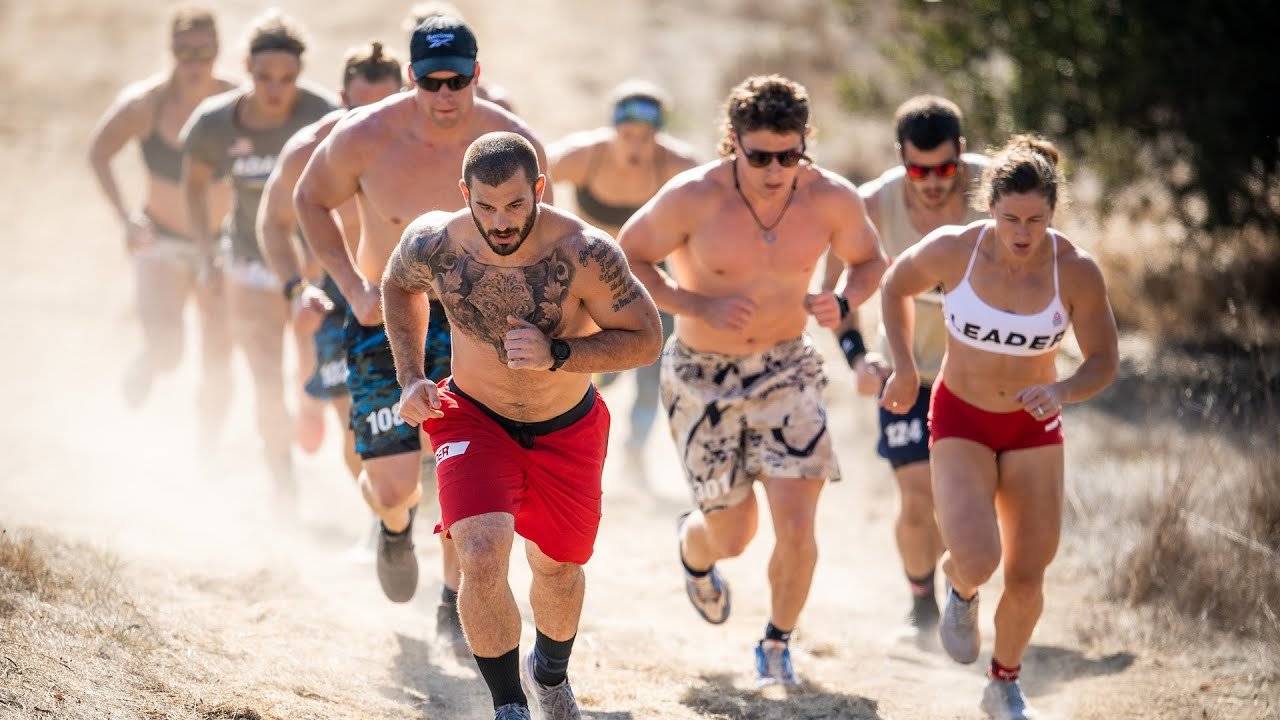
x,y
546,474
949,416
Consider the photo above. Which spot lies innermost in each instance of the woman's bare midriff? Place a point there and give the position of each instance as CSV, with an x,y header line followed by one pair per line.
x,y
992,382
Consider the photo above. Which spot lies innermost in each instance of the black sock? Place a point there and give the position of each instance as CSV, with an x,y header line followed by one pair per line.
x,y
448,597
694,573
551,659
502,675
922,586
412,511
772,632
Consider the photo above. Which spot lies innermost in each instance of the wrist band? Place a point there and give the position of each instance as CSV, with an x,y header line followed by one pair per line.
x,y
844,308
293,287
852,346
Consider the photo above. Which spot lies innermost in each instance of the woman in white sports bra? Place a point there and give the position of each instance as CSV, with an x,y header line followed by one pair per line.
x,y
1012,286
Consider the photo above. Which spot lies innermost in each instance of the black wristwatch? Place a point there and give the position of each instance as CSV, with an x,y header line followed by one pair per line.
x,y
559,353
843,302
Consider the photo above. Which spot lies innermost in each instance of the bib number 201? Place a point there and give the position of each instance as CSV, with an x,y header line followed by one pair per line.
x,y
384,419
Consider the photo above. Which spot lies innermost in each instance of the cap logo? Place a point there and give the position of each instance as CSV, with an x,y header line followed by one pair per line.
x,y
440,40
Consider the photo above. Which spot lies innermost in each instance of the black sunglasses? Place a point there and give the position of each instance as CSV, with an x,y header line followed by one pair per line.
x,y
762,158
455,83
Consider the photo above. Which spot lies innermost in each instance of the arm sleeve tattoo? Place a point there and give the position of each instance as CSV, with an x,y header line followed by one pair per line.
x,y
614,272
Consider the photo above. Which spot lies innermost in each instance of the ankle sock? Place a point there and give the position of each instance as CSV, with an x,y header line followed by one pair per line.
x,y
1002,672
449,597
773,632
922,586
551,659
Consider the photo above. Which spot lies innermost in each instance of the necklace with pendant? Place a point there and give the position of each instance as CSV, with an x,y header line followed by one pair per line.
x,y
769,232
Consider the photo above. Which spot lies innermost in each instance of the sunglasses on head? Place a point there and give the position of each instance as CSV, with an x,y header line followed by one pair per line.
x,y
199,53
762,158
942,170
455,83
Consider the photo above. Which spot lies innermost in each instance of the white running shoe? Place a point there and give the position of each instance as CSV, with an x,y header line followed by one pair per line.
x,y
958,630
1003,700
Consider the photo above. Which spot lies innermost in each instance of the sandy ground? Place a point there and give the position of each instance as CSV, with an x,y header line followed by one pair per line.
x,y
214,611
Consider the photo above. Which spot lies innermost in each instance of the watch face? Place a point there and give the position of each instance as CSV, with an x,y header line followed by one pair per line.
x,y
560,350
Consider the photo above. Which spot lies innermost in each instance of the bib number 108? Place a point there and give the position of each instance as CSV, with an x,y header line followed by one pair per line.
x,y
384,419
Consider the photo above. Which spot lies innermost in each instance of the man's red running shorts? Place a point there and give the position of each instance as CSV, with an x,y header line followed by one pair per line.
x,y
949,416
546,474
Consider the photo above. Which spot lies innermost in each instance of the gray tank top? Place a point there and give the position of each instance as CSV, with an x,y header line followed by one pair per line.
x,y
213,135
896,235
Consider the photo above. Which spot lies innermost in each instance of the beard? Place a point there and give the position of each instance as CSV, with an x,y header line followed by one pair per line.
x,y
505,234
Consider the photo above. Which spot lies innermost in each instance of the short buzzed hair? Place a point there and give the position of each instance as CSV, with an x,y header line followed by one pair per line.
x,y
928,121
495,157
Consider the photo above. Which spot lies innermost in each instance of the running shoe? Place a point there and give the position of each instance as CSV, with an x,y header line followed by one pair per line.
x,y
709,593
1003,700
397,565
958,630
553,703
921,624
773,664
449,629
513,711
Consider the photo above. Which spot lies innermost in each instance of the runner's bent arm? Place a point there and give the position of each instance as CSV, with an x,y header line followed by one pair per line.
x,y
405,312
1095,329
655,231
276,217
122,122
331,178
197,177
857,245
630,333
915,271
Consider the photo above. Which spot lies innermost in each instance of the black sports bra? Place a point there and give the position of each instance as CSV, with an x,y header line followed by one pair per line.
x,y
590,205
162,159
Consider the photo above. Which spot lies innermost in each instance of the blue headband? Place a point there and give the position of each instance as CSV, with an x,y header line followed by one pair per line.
x,y
638,109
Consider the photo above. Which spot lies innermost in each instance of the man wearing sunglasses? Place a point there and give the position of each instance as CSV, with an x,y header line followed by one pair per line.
x,y
399,159
928,190
741,381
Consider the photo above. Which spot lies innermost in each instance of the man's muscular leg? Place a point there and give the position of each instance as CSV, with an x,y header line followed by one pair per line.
x,y
556,598
486,604
793,503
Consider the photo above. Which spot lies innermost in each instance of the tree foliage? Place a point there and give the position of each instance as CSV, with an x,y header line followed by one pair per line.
x,y
1185,91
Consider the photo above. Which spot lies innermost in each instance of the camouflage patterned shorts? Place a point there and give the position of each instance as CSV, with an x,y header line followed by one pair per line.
x,y
330,377
375,392
736,419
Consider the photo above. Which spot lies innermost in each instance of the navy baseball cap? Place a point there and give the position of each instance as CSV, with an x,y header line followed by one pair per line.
x,y
442,42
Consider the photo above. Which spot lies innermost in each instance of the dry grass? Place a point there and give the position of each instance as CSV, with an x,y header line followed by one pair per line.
x,y
1181,512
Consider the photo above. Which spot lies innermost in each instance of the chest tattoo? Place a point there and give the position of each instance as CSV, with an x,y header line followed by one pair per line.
x,y
479,297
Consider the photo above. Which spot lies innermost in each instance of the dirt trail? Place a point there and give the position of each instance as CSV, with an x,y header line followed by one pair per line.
x,y
204,609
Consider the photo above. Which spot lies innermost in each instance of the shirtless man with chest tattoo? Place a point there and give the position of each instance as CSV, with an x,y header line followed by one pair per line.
x,y
398,158
537,301
741,381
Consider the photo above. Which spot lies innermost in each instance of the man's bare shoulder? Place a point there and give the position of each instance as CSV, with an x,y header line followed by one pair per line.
x,y
411,265
374,123
304,142
489,117
830,186
429,228
700,182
